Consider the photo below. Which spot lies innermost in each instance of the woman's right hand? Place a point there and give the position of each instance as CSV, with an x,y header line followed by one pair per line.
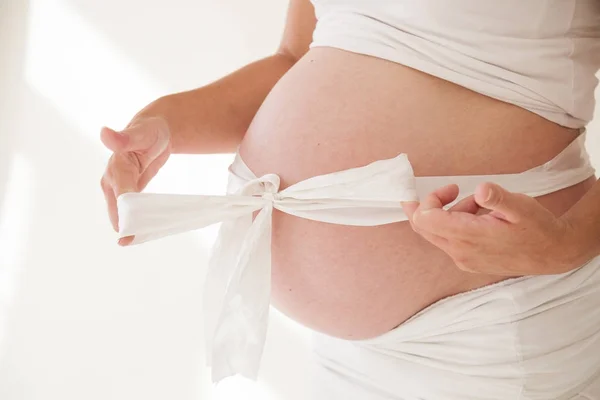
x,y
139,151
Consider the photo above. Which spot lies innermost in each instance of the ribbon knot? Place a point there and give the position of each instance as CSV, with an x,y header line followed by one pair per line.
x,y
238,283
270,196
266,187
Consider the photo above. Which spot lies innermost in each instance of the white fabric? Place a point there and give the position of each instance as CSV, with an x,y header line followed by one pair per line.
x,y
531,338
237,292
541,55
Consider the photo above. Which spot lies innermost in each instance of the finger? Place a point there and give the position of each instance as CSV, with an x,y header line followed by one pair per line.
x,y
511,206
146,176
126,241
126,176
409,208
113,211
436,200
467,205
152,170
142,136
113,140
440,197
448,224
430,217
107,183
125,173
111,202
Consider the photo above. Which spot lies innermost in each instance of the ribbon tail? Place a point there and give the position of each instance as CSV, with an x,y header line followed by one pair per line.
x,y
237,297
221,267
150,216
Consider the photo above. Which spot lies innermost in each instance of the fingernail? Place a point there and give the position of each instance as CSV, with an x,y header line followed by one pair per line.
x,y
489,196
418,213
426,211
126,241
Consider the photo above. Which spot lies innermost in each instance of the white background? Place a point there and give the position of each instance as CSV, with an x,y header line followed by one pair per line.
x,y
81,318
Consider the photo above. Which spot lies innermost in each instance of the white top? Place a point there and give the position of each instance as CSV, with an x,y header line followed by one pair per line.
x,y
541,55
237,291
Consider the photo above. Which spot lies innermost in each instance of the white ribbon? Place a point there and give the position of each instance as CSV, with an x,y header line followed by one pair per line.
x,y
237,291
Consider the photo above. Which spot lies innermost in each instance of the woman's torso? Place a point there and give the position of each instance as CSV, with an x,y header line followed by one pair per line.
x,y
336,110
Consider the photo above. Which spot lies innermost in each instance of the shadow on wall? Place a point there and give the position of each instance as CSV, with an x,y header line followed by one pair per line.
x,y
86,319
12,18
12,64
204,41
81,317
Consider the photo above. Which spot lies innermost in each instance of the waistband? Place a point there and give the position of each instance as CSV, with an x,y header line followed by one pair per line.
x,y
524,338
237,291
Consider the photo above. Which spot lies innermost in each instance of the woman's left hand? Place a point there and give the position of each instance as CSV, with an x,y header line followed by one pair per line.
x,y
517,237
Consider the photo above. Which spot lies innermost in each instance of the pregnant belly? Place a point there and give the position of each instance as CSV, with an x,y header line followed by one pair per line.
x,y
336,110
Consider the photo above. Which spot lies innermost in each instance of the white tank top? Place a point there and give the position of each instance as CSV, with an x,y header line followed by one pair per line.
x,y
541,55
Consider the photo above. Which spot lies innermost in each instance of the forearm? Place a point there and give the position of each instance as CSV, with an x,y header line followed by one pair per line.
x,y
584,219
214,118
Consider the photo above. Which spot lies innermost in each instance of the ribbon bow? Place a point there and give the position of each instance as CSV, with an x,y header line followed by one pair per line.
x,y
237,291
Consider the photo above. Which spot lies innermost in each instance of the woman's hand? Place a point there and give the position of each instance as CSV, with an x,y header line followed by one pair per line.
x,y
518,237
140,150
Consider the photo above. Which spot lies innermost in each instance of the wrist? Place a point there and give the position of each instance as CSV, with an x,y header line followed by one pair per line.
x,y
186,117
157,112
580,244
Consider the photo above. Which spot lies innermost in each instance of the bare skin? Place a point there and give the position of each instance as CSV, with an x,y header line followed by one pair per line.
x,y
356,110
334,110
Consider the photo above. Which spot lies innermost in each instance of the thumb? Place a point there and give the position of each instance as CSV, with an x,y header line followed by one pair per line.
x,y
113,140
409,208
133,138
510,206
